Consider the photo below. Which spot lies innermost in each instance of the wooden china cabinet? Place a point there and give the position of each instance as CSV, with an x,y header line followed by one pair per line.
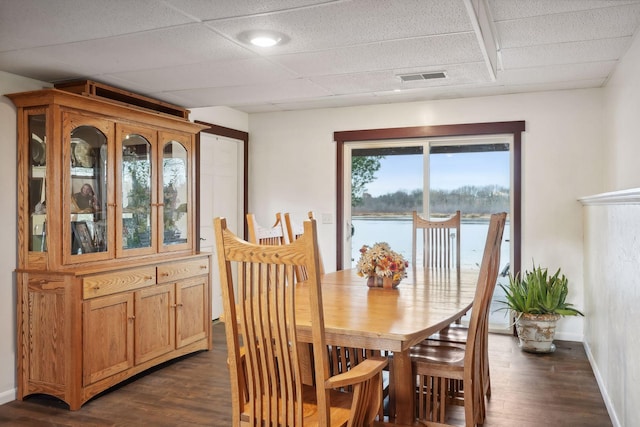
x,y
109,280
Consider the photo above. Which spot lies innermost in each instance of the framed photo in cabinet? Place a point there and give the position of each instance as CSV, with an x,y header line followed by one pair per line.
x,y
84,198
81,237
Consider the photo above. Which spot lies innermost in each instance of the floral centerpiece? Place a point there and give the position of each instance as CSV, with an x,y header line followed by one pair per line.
x,y
381,266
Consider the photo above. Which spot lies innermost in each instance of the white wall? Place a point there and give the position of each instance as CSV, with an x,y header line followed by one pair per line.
x,y
622,109
292,166
221,116
9,83
612,268
612,248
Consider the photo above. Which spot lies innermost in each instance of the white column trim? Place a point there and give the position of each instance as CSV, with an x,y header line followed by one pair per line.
x,y
622,197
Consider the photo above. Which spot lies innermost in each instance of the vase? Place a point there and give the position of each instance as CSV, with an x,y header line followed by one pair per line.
x,y
536,332
382,282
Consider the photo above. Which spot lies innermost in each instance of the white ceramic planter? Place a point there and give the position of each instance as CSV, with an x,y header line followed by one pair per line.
x,y
536,332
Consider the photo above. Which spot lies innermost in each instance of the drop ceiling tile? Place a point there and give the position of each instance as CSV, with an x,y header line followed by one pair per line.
x,y
239,95
593,24
331,101
184,44
208,10
554,86
353,23
29,23
209,74
28,63
415,52
565,53
389,81
557,73
502,10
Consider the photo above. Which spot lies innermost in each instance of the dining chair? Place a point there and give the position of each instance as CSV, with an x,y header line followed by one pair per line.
x,y
341,359
273,235
449,373
440,241
264,311
294,231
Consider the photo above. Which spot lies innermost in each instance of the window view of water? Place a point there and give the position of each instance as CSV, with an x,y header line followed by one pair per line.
x,y
396,231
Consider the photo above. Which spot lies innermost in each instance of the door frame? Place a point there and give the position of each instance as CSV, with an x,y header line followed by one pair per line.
x,y
514,128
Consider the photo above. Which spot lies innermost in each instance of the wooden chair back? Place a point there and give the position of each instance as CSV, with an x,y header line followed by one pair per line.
x,y
265,311
258,234
476,353
438,367
294,231
440,241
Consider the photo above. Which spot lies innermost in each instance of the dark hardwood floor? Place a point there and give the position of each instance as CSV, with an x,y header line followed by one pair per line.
x,y
527,391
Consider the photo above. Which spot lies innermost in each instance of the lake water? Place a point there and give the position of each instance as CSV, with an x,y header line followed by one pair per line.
x,y
396,231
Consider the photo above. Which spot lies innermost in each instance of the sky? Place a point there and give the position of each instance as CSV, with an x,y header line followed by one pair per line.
x,y
448,171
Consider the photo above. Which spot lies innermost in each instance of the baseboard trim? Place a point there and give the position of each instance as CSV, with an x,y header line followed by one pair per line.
x,y
8,396
603,391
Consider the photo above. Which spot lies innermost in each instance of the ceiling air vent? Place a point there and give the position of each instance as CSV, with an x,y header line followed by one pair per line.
x,y
423,76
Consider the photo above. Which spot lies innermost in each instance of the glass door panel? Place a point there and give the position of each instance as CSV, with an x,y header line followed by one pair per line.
x,y
36,186
386,186
475,178
88,189
175,194
137,218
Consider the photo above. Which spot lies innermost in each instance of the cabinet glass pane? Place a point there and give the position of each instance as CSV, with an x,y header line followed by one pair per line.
x,y
37,174
136,192
88,190
175,193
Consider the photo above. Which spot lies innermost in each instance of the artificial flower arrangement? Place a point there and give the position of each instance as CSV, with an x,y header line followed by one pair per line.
x,y
380,261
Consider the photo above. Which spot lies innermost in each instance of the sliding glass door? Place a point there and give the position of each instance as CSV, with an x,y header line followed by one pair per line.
x,y
436,177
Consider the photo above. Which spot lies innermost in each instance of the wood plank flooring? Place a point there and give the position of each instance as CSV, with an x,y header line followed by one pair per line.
x,y
527,391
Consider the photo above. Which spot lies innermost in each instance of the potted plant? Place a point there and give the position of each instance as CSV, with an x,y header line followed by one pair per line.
x,y
538,301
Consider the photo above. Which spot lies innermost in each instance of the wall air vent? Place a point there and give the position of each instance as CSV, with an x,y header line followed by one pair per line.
x,y
422,76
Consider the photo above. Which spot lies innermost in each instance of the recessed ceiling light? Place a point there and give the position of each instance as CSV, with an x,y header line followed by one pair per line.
x,y
263,38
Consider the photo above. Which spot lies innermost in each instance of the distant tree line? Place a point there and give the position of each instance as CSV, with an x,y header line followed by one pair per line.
x,y
470,200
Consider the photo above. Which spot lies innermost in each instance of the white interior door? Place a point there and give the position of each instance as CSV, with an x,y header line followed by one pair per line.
x,y
221,194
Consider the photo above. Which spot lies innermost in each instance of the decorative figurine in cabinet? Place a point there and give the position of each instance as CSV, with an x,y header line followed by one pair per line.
x,y
106,214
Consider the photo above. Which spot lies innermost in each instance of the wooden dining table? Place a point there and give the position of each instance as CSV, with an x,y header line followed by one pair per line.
x,y
389,320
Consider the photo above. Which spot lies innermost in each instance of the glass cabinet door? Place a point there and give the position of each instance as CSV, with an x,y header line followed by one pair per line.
x,y
176,203
36,182
88,188
136,211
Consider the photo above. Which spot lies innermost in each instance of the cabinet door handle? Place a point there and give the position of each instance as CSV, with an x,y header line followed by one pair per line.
x,y
203,267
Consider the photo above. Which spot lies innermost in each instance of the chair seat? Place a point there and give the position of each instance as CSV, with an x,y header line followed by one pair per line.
x,y
435,352
340,407
454,333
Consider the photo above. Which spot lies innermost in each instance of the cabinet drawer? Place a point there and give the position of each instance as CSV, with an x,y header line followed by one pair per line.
x,y
182,269
111,283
